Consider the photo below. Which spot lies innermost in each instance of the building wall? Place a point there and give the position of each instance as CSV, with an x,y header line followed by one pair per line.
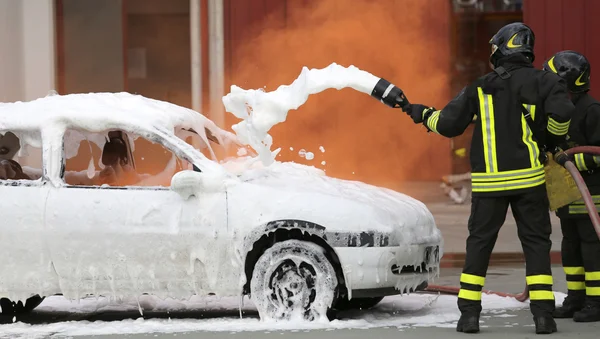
x,y
158,49
565,24
26,49
93,46
11,51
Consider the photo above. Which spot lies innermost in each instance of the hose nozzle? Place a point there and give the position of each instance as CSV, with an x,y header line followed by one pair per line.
x,y
389,94
561,158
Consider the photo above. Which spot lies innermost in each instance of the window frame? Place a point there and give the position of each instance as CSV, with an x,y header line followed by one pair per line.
x,y
154,138
43,179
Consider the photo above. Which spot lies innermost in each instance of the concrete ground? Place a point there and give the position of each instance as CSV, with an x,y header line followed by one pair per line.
x,y
497,329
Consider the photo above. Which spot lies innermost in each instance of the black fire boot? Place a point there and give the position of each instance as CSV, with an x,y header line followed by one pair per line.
x,y
572,303
589,313
544,324
468,323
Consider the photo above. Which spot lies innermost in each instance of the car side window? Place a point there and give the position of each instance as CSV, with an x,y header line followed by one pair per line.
x,y
20,155
118,159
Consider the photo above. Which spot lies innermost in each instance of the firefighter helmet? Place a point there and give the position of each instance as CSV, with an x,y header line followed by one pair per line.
x,y
573,67
513,38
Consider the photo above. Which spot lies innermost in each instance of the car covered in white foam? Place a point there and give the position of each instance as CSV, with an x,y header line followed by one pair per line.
x,y
195,214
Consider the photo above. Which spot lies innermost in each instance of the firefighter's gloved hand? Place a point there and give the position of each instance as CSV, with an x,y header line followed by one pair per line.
x,y
419,113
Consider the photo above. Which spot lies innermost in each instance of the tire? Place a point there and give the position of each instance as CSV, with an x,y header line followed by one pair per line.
x,y
357,303
293,280
15,308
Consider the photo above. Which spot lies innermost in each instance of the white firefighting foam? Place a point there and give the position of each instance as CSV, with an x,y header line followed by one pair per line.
x,y
262,110
401,312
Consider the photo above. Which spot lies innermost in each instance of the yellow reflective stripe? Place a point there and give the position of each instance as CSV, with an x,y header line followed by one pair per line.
x,y
558,128
507,181
580,209
539,279
576,285
541,295
472,279
528,137
551,65
596,160
508,185
469,295
531,110
589,276
580,162
595,199
574,270
433,121
508,175
593,291
486,109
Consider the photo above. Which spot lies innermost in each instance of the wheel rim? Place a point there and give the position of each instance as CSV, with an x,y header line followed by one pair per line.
x,y
293,280
292,286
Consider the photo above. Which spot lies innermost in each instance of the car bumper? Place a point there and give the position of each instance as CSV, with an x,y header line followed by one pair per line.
x,y
380,271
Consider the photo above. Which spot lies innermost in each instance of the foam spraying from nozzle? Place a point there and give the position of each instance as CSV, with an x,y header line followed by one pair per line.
x,y
260,110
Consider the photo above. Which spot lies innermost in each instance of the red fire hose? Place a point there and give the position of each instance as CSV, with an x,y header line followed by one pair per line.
x,y
522,297
589,204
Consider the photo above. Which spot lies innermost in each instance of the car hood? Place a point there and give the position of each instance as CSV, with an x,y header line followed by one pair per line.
x,y
407,218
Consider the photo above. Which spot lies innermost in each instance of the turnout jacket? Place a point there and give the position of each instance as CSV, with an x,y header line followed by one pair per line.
x,y
584,130
518,110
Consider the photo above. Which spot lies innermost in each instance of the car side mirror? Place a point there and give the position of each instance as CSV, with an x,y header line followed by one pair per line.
x,y
187,183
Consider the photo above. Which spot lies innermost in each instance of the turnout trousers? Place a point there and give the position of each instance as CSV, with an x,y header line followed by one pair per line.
x,y
581,258
531,212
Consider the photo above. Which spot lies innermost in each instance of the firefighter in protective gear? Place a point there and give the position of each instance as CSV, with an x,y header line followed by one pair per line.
x,y
520,112
580,243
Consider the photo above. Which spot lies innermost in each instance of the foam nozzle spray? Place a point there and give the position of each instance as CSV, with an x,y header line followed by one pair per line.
x,y
389,94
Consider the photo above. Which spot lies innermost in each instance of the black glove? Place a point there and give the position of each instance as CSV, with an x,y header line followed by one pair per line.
x,y
418,112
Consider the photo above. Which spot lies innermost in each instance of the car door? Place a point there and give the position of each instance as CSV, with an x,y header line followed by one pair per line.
x,y
135,238
26,266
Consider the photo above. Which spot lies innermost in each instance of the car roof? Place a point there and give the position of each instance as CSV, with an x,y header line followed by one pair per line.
x,y
97,112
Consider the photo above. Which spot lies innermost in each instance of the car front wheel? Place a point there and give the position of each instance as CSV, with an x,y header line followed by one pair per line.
x,y
293,280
